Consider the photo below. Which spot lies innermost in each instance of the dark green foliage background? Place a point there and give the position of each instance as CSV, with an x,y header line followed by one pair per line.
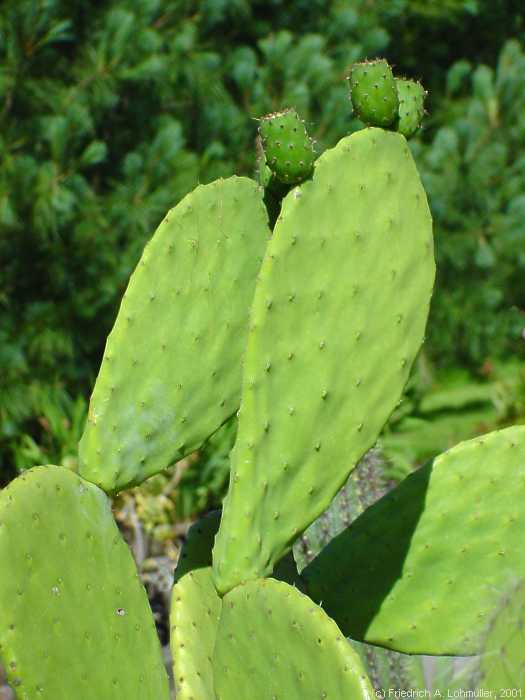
x,y
111,111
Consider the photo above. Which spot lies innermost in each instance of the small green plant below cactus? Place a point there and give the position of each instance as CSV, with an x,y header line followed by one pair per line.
x,y
306,330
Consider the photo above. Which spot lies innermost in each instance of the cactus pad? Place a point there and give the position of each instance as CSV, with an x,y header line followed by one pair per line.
x,y
195,612
171,371
422,570
373,92
411,106
288,148
273,642
339,314
74,618
502,664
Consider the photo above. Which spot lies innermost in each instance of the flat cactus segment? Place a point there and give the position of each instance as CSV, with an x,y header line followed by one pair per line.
x,y
389,669
373,92
339,314
365,485
422,569
195,612
289,150
74,617
411,106
273,642
502,664
171,373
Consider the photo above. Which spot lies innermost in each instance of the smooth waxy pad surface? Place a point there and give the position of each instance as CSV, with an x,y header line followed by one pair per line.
x,y
171,372
411,106
373,92
195,611
339,314
74,617
422,570
274,643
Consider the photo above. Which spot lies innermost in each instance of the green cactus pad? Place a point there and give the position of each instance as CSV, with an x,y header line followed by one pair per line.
x,y
288,148
195,611
171,373
411,106
274,643
502,663
373,92
391,670
74,618
422,569
339,314
365,485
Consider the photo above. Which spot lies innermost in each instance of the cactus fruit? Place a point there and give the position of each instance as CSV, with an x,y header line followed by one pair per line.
x,y
411,106
273,642
373,93
502,662
74,618
330,345
274,189
288,149
171,372
195,612
421,570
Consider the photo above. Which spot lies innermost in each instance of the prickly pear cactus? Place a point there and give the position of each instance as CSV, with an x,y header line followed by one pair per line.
x,y
273,642
302,406
289,150
195,612
74,618
365,485
373,93
411,106
391,670
422,569
502,662
171,372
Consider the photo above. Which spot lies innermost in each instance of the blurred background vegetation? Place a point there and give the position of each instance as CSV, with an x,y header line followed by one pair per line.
x,y
110,112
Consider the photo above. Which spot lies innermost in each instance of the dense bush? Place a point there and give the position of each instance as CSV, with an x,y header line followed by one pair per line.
x,y
111,112
474,173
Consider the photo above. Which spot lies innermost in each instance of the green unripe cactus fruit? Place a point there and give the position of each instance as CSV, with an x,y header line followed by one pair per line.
x,y
339,314
171,372
373,92
195,612
74,618
411,106
273,642
422,569
288,148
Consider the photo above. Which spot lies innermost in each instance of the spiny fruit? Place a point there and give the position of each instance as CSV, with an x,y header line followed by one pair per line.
x,y
373,92
289,150
411,106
